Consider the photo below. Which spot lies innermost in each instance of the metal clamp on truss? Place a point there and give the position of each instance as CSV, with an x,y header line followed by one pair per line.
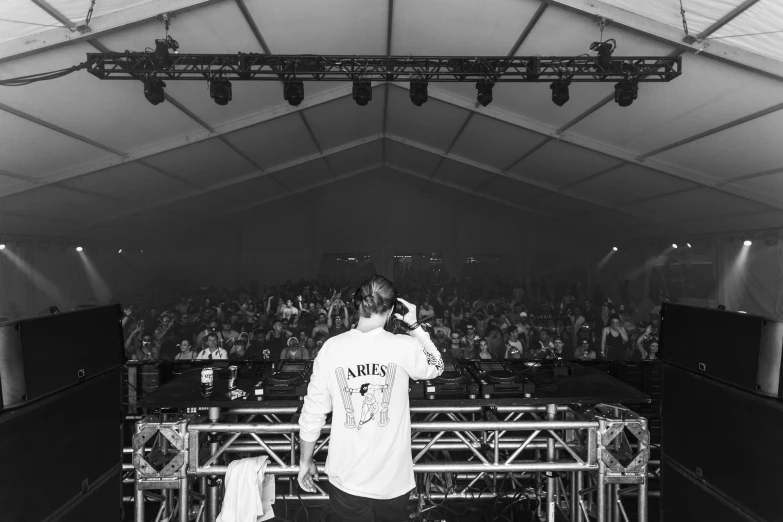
x,y
160,450
623,466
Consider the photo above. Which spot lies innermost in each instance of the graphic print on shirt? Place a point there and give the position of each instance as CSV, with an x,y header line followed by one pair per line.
x,y
366,392
433,361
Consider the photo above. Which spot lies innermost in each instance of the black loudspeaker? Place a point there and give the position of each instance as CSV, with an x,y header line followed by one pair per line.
x,y
102,502
48,353
61,349
727,437
52,450
740,349
686,499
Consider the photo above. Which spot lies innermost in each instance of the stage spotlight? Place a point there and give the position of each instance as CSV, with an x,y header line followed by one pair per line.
x,y
162,54
604,50
747,242
418,92
560,92
484,96
79,249
293,92
614,248
2,246
220,90
362,93
688,245
674,245
119,251
625,92
153,90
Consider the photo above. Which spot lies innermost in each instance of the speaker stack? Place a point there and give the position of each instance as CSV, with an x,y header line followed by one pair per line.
x,y
722,430
61,417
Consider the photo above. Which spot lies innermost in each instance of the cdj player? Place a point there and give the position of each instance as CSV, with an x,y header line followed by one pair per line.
x,y
500,379
288,381
456,381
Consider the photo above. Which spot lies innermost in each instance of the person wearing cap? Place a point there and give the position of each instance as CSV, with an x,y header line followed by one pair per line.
x,y
294,350
523,326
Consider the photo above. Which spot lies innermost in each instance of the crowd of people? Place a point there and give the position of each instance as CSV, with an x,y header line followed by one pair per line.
x,y
468,319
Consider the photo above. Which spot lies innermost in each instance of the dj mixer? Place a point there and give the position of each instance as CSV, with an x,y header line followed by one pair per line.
x,y
501,379
456,381
468,379
287,381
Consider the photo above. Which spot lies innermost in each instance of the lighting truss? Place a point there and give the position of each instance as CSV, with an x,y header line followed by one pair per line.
x,y
262,67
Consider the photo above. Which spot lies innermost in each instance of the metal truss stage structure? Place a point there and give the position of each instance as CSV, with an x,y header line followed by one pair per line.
x,y
576,461
261,67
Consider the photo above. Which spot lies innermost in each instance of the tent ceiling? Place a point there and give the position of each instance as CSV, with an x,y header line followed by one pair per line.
x,y
91,158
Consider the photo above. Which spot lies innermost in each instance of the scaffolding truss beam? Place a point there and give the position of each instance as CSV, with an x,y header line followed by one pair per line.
x,y
260,67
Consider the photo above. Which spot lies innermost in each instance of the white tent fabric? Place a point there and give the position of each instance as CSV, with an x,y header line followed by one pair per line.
x,y
85,158
748,282
697,155
23,18
752,17
759,17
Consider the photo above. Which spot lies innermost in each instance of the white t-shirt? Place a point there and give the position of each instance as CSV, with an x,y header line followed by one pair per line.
x,y
362,378
517,345
220,353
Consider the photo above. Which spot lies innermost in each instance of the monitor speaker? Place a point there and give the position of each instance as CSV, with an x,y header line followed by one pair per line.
x,y
739,349
42,355
53,450
727,437
687,499
103,501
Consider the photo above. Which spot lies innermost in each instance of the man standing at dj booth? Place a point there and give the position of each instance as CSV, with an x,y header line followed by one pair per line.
x,y
361,376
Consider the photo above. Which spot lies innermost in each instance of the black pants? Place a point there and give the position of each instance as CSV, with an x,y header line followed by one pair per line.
x,y
350,508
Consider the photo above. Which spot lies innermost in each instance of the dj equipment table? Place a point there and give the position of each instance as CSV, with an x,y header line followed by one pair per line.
x,y
575,441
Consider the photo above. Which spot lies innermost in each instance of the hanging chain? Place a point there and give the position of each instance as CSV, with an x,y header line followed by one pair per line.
x,y
684,21
601,25
89,13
